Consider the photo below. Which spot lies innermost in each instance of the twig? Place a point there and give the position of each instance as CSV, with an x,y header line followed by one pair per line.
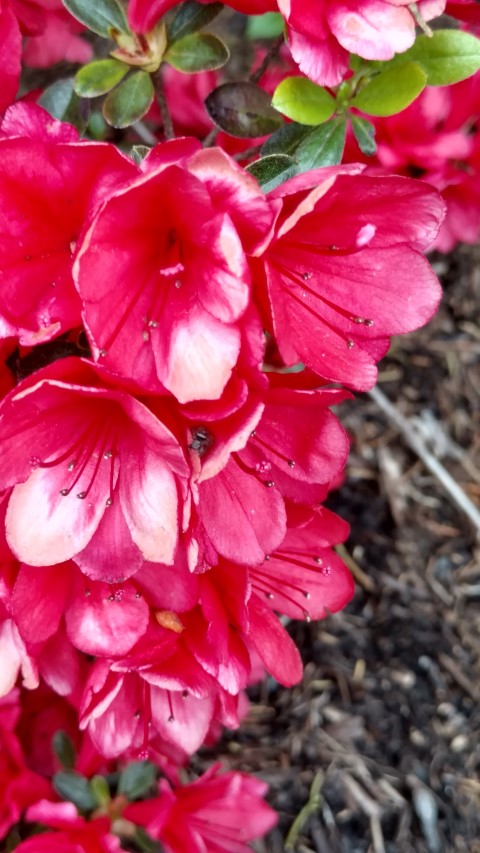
x,y
210,137
271,54
168,130
418,445
359,575
312,806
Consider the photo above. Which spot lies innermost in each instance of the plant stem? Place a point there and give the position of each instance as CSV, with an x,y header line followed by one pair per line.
x,y
271,54
168,130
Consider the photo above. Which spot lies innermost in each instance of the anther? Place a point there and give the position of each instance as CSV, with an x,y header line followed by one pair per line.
x,y
269,595
82,495
306,594
108,454
71,466
64,492
178,284
318,561
108,502
153,324
102,352
308,618
291,463
111,597
269,483
87,593
145,336
350,344
185,694
306,276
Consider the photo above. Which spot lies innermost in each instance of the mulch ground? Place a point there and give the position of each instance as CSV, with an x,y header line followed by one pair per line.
x,y
378,748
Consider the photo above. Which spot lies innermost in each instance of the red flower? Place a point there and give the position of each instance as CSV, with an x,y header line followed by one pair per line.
x,y
179,233
344,270
19,787
49,185
219,813
322,33
95,474
72,833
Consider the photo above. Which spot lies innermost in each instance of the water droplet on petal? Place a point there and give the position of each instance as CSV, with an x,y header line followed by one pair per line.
x,y
178,284
145,336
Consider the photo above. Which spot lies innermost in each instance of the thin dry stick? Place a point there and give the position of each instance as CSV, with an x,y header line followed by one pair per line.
x,y
418,445
272,53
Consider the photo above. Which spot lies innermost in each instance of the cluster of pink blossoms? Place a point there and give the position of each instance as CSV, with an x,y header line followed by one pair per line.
x,y
173,341
162,487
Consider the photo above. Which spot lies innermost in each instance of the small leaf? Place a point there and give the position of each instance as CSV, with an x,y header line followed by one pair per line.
x,y
448,56
74,787
303,101
323,146
197,52
285,140
273,170
137,779
61,102
139,152
364,133
129,101
267,26
242,110
99,77
100,16
392,90
191,17
100,790
64,749
145,843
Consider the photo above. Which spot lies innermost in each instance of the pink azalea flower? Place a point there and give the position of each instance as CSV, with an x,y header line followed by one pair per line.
x,y
19,786
10,57
219,812
49,185
72,833
322,33
94,474
345,271
144,14
179,232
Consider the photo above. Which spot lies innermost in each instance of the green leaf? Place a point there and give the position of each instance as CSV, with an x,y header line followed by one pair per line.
x,y
446,57
323,146
285,140
392,90
74,787
61,102
137,779
267,26
100,790
242,110
197,52
145,843
192,17
273,170
99,77
364,133
100,16
129,101
64,749
303,101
